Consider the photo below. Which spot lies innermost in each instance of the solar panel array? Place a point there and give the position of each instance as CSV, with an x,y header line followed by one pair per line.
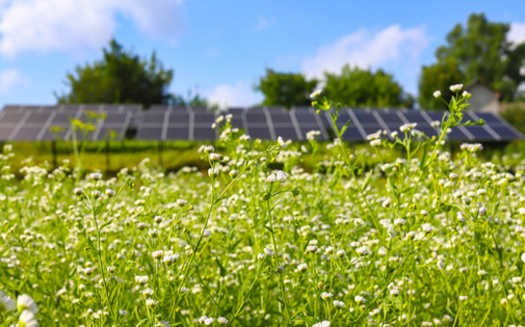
x,y
161,123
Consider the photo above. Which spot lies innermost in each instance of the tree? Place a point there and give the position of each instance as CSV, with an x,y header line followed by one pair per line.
x,y
285,89
120,77
481,52
363,88
438,77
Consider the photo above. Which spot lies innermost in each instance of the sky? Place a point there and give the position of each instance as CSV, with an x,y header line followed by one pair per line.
x,y
220,49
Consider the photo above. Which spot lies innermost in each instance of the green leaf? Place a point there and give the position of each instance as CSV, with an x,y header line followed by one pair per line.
x,y
98,209
343,129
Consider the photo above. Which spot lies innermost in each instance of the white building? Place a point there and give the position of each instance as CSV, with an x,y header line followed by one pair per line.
x,y
484,98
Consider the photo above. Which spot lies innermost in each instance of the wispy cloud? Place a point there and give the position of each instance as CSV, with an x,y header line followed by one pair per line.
x,y
264,23
10,79
240,94
517,33
77,25
392,45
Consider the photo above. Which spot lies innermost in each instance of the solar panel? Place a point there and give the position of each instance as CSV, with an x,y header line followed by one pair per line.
x,y
12,117
109,108
505,133
178,133
27,133
305,117
38,117
165,122
207,118
416,117
115,118
365,117
237,122
62,119
456,134
5,131
204,133
391,118
280,117
480,133
487,117
286,132
179,118
259,132
149,133
153,117
107,132
352,133
53,135
256,116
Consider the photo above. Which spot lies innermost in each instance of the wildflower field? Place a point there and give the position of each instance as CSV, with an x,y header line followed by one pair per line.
x,y
420,240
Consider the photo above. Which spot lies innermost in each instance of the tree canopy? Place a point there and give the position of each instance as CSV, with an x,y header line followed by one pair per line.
x,y
285,89
119,77
358,87
480,52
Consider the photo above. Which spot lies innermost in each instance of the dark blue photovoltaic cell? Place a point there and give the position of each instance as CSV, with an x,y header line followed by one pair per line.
x,y
480,133
457,134
414,117
149,133
49,135
344,116
110,133
352,134
115,118
259,132
204,118
255,117
489,118
11,108
435,116
391,118
204,133
365,117
280,117
28,133
178,133
326,120
108,109
305,117
38,117
62,119
505,133
371,129
153,117
5,131
177,117
286,132
237,122
12,117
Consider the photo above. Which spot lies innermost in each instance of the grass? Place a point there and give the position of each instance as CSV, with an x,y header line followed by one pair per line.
x,y
392,233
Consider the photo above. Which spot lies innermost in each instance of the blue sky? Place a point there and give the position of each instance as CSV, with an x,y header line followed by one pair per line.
x,y
222,48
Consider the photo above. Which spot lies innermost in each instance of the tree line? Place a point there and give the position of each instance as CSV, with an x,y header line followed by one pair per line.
x,y
479,51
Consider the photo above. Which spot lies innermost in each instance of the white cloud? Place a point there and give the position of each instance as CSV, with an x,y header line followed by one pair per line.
x,y
517,33
240,94
77,25
264,23
392,45
11,78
